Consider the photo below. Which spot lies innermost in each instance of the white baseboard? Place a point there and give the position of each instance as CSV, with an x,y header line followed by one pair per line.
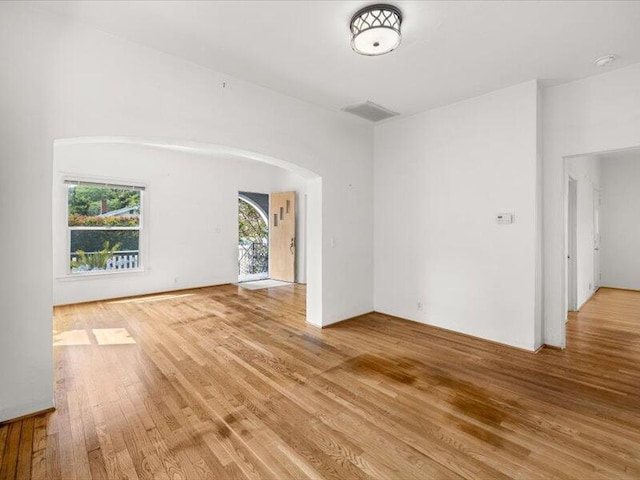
x,y
12,413
587,299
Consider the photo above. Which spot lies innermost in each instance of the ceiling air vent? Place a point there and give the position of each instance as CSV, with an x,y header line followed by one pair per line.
x,y
370,111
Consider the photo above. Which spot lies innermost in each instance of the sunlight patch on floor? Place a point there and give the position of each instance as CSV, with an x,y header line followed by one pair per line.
x,y
101,336
112,336
154,298
71,337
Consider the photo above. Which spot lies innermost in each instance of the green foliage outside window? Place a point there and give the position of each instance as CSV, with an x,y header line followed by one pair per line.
x,y
98,221
251,226
94,261
93,240
87,200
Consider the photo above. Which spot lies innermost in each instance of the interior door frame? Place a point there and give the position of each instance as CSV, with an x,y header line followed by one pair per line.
x,y
556,319
571,228
597,267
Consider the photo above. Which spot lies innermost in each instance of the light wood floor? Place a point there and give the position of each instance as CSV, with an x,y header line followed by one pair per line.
x,y
226,383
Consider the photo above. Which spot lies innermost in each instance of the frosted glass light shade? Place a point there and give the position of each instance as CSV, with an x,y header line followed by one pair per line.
x,y
375,30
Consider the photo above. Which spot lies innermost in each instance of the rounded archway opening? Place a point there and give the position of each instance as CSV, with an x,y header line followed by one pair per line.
x,y
100,157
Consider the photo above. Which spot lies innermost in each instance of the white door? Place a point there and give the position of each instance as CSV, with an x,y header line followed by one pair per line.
x,y
597,275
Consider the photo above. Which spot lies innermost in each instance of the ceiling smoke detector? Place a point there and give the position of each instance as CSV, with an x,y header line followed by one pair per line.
x,y
375,30
605,61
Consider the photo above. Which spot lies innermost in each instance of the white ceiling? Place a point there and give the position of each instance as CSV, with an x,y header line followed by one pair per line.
x,y
450,50
628,154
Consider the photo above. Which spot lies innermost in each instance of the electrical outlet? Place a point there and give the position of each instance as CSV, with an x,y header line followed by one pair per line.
x,y
420,306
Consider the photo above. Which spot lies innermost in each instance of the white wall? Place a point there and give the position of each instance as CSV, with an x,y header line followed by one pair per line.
x,y
620,221
597,114
440,179
26,377
61,80
190,216
585,170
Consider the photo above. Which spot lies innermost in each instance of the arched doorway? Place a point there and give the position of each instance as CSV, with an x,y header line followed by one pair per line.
x,y
312,199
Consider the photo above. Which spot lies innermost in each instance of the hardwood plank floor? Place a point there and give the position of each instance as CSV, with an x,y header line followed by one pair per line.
x,y
227,383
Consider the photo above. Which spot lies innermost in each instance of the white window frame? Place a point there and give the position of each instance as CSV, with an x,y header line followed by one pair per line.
x,y
106,183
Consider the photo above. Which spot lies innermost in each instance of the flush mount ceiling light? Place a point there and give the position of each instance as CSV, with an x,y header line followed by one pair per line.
x,y
375,30
605,61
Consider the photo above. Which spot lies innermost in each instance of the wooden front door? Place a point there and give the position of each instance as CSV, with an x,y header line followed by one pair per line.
x,y
282,236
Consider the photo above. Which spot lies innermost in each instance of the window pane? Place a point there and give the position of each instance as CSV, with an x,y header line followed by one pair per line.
x,y
104,250
96,206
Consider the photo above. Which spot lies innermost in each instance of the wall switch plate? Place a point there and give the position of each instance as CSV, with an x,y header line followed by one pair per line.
x,y
505,218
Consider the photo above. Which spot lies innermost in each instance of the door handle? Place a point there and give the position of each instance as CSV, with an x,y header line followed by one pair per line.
x,y
292,246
